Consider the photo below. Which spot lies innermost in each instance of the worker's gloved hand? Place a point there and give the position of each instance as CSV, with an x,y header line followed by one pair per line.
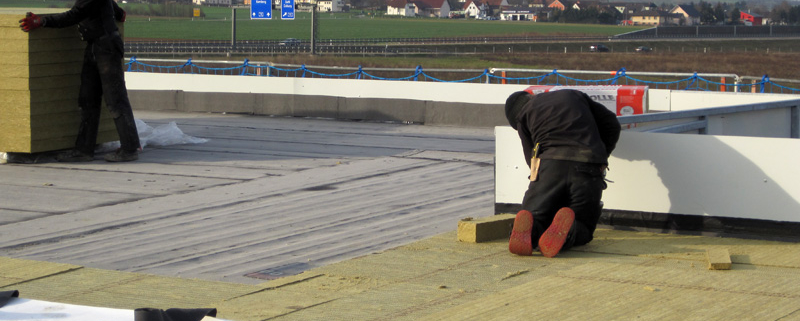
x,y
121,15
30,22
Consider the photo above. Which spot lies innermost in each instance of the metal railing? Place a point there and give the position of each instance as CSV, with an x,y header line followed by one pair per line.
x,y
697,119
654,80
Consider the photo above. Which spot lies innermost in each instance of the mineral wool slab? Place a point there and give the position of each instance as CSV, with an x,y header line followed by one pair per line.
x,y
39,85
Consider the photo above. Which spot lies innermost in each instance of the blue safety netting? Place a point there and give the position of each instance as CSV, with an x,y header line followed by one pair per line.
x,y
554,78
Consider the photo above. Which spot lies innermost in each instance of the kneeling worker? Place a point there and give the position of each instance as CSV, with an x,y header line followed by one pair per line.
x,y
567,138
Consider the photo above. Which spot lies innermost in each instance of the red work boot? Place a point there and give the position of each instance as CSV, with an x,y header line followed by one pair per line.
x,y
553,238
520,242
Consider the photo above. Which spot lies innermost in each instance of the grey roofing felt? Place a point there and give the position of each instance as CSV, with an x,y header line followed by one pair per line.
x,y
263,194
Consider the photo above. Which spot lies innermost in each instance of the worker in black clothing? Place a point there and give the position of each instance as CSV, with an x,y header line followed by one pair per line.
x,y
567,138
102,76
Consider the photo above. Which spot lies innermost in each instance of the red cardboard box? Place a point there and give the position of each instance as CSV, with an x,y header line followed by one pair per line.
x,y
621,99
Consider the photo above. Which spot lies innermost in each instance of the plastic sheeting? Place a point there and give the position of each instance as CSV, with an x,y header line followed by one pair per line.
x,y
13,308
163,135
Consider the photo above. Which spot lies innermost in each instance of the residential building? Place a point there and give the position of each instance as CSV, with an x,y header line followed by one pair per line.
x,y
751,19
422,8
473,9
481,9
584,4
401,8
691,17
330,5
518,14
656,18
537,3
559,4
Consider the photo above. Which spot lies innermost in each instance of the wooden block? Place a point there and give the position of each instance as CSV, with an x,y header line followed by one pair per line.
x,y
718,259
486,228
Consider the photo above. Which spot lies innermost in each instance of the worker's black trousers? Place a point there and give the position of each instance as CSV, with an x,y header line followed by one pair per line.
x,y
561,183
102,77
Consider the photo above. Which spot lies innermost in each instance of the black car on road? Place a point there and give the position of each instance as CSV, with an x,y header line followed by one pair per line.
x,y
598,48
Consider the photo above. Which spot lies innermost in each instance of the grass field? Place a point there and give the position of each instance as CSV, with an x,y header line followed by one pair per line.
x,y
776,58
216,25
348,28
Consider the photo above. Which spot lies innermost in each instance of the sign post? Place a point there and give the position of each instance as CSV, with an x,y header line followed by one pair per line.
x,y
261,9
287,9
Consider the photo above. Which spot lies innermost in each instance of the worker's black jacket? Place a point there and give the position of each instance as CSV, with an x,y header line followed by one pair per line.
x,y
95,18
568,125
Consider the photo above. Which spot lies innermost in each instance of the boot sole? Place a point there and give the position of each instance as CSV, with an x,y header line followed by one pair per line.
x,y
553,238
520,241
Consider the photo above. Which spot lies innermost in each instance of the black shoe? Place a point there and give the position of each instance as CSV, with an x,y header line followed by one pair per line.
x,y
121,155
73,156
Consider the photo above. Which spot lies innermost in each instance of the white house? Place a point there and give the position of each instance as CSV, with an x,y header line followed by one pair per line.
x,y
483,8
422,8
518,14
691,17
474,10
330,5
401,8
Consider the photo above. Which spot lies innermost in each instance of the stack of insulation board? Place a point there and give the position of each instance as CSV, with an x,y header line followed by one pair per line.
x,y
39,84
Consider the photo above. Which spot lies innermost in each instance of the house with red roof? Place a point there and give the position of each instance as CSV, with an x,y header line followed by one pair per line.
x,y
559,4
751,19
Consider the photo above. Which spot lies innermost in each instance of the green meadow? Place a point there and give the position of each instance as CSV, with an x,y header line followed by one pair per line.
x,y
345,27
216,25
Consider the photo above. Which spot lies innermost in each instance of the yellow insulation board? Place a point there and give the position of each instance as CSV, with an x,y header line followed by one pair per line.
x,y
39,85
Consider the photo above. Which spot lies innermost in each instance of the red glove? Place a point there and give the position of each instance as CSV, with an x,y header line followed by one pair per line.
x,y
30,22
121,16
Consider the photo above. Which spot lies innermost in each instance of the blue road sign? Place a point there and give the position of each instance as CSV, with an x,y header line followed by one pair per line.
x,y
261,9
287,9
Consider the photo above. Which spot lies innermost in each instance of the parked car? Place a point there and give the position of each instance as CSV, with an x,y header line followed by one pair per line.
x,y
643,49
598,48
289,42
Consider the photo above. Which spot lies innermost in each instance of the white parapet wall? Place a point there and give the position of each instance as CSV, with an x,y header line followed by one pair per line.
x,y
435,103
440,103
678,100
478,93
707,175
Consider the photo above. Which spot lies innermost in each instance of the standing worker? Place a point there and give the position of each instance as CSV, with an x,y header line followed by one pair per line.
x,y
102,76
567,138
